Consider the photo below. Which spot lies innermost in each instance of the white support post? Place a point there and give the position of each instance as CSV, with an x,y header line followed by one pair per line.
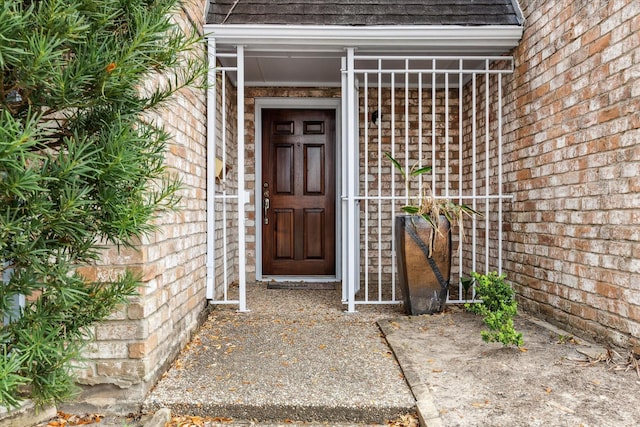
x,y
474,173
352,182
366,187
346,275
242,192
500,194
379,202
212,108
487,166
225,205
460,172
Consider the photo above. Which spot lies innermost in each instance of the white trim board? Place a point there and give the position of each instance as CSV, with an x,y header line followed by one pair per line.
x,y
453,39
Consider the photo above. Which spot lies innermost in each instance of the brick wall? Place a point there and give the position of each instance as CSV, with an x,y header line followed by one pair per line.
x,y
133,348
572,162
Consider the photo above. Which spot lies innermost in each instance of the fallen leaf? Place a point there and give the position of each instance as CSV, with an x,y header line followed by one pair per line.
x,y
222,420
480,404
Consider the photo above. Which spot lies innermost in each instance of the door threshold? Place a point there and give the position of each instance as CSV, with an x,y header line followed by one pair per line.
x,y
304,286
301,282
312,279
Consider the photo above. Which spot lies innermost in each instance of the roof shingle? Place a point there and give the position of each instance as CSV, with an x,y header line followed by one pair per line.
x,y
363,12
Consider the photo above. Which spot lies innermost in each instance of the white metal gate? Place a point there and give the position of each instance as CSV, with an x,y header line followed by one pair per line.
x,y
440,111
443,111
226,189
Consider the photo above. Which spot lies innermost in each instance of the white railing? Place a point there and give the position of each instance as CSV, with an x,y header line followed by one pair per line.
x,y
226,197
442,111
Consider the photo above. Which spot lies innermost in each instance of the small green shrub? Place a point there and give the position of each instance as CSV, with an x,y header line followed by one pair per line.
x,y
497,308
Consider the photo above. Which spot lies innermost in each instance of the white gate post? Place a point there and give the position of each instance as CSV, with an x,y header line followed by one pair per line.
x,y
344,203
353,229
212,108
243,194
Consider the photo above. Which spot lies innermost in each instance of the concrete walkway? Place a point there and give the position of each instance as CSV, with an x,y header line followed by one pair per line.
x,y
296,356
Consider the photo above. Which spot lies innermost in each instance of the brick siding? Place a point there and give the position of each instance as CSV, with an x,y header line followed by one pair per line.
x,y
133,348
572,163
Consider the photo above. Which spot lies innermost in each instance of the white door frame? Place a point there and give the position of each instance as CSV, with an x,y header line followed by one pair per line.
x,y
294,103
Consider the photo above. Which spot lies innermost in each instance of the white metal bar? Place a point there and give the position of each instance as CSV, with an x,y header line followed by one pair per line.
x,y
380,158
460,172
499,130
420,131
346,275
433,57
225,240
406,125
242,193
212,99
437,71
462,197
393,181
379,302
366,186
474,174
229,68
406,140
446,135
434,111
351,181
486,170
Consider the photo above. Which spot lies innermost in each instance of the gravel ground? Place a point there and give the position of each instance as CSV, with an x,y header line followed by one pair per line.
x,y
295,356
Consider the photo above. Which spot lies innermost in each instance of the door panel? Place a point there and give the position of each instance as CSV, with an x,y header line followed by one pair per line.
x,y
313,226
314,169
298,183
283,239
284,169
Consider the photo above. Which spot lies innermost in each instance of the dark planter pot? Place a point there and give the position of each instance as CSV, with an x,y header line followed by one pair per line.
x,y
424,279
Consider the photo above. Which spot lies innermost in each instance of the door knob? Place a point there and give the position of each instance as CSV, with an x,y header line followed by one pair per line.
x,y
265,205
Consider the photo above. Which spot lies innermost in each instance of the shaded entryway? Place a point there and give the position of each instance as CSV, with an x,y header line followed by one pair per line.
x,y
421,83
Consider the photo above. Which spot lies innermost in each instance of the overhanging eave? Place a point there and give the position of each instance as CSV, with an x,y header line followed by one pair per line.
x,y
424,39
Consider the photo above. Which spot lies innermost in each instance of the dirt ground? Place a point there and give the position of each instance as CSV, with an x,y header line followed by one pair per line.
x,y
554,380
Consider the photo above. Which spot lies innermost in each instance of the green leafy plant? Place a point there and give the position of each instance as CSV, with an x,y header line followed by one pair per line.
x,y
426,204
497,306
81,166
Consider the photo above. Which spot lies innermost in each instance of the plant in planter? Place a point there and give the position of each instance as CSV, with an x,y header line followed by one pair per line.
x,y
423,244
497,306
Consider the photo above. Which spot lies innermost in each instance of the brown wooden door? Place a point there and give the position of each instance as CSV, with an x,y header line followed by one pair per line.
x,y
298,187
